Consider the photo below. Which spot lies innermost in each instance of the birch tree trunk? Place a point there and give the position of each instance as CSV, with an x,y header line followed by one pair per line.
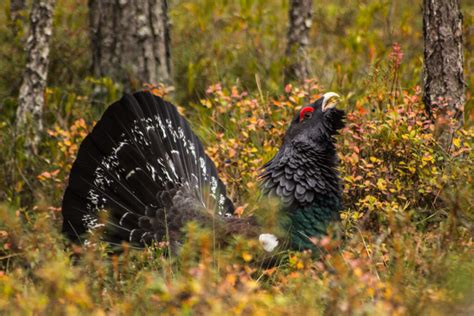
x,y
300,20
130,41
31,96
443,78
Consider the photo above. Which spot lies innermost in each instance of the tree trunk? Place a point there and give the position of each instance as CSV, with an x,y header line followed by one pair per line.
x,y
17,16
31,96
130,41
16,6
300,18
443,78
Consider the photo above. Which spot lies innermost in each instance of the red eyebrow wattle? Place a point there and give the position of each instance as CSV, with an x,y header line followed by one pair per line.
x,y
305,110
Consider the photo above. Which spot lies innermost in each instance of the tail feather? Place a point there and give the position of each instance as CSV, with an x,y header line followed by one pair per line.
x,y
131,171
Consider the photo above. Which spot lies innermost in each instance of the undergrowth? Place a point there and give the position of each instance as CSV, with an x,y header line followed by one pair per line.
x,y
407,223
408,214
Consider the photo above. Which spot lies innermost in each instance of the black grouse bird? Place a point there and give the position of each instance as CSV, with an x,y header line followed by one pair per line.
x,y
142,173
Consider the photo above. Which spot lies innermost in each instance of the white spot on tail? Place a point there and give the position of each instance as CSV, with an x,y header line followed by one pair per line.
x,y
122,218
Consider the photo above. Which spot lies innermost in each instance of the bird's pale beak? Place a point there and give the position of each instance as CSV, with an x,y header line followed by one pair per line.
x,y
330,100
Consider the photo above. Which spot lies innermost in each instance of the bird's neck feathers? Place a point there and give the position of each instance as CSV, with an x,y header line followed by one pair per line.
x,y
301,175
306,181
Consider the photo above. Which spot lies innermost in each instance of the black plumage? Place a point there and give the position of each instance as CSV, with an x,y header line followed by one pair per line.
x,y
303,173
141,164
142,173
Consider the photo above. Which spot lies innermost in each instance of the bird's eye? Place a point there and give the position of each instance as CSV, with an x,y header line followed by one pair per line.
x,y
306,113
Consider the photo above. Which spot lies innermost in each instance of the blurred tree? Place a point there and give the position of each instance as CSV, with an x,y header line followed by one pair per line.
x,y
300,20
130,41
16,7
31,96
443,79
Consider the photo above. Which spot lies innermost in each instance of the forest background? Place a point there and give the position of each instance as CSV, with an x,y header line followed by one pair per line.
x,y
408,217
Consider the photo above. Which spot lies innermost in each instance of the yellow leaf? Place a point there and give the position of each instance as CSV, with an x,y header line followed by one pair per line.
x,y
457,142
246,256
299,265
373,159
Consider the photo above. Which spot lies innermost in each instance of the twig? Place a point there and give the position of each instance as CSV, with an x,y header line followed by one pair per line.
x,y
368,253
11,255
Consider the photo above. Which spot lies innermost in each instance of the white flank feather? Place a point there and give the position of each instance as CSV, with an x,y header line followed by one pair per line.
x,y
268,241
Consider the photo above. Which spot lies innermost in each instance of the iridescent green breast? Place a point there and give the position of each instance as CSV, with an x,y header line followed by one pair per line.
x,y
311,221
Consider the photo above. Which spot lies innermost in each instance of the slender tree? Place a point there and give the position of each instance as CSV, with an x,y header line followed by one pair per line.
x,y
31,96
300,20
443,78
16,6
130,41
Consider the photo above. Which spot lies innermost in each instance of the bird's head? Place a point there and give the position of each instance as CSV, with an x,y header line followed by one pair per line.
x,y
316,124
305,167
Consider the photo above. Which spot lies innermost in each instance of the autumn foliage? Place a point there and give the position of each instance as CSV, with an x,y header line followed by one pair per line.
x,y
406,224
404,244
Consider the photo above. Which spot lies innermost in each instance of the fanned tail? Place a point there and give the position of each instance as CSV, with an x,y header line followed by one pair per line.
x,y
140,175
